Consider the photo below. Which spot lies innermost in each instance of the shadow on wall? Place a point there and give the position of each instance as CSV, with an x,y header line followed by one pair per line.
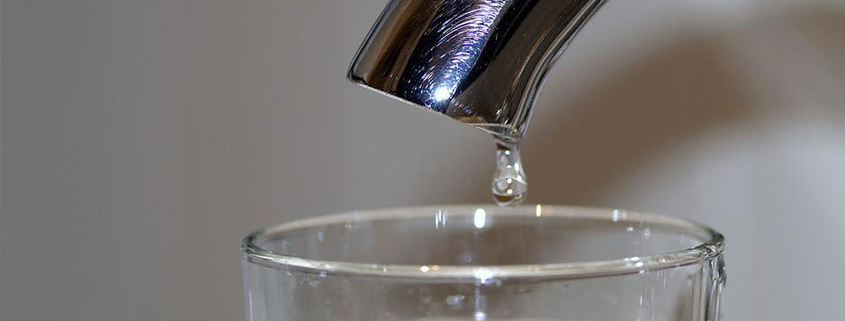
x,y
824,30
578,153
586,147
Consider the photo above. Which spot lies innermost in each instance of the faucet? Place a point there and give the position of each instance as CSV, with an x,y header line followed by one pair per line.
x,y
481,62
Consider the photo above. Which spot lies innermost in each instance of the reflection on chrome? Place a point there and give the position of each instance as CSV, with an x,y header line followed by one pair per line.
x,y
477,61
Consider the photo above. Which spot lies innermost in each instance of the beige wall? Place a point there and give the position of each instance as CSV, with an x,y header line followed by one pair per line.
x,y
142,139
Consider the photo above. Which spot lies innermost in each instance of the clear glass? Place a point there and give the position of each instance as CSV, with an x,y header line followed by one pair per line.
x,y
471,262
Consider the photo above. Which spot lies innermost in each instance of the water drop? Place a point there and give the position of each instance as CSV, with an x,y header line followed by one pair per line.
x,y
509,185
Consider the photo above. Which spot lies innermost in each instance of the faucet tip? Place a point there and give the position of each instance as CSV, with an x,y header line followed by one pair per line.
x,y
479,62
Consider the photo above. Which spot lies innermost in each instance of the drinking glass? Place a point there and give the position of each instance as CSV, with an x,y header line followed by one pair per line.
x,y
479,262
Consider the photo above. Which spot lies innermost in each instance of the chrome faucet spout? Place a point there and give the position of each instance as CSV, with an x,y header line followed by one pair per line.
x,y
481,62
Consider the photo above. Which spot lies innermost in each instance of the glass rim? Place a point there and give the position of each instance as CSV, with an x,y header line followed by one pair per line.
x,y
711,246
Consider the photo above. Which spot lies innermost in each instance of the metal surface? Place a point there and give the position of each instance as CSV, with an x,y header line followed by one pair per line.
x,y
478,61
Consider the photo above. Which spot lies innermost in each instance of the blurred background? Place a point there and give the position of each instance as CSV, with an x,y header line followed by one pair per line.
x,y
142,139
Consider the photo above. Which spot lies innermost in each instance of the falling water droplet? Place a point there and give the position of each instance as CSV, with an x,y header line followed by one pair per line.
x,y
509,185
